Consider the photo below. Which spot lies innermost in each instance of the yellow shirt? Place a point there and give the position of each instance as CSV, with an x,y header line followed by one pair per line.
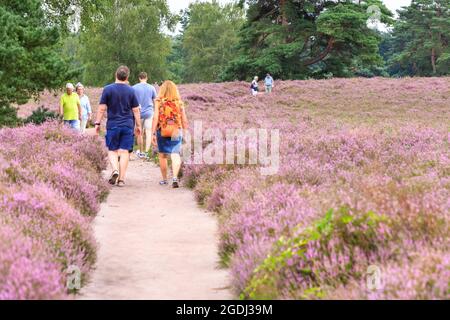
x,y
70,106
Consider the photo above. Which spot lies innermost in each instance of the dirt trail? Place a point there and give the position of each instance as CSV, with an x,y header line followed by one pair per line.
x,y
155,243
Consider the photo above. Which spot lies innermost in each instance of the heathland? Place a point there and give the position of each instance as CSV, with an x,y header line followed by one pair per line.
x,y
363,187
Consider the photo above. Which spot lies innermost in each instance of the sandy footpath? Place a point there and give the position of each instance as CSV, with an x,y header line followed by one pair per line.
x,y
155,243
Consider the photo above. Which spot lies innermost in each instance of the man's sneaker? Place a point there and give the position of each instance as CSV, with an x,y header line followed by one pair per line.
x,y
142,155
164,183
175,183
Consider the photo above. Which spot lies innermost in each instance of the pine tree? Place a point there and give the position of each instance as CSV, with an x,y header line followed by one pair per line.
x,y
298,39
421,39
29,59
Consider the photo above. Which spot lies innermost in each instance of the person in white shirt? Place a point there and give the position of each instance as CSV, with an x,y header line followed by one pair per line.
x,y
255,87
86,110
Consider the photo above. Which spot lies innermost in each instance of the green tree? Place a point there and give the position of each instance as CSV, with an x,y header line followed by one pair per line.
x,y
209,37
299,39
420,40
175,61
29,56
129,32
73,14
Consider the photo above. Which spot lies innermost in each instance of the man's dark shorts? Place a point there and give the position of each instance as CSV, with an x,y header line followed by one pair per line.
x,y
120,138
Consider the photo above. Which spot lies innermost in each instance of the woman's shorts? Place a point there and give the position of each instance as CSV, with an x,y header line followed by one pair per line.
x,y
169,145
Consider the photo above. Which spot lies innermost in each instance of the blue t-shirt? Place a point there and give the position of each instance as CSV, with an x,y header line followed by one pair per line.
x,y
269,81
145,94
120,100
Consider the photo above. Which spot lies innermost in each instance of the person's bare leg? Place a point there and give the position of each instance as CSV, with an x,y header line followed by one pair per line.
x,y
148,139
140,141
124,160
176,164
114,160
163,165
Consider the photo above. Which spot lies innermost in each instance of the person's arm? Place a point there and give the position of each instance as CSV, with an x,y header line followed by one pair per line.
x,y
184,120
137,119
154,96
61,107
89,109
136,108
155,122
80,113
100,113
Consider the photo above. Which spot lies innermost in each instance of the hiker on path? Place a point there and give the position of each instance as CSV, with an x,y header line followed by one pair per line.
x,y
86,110
120,102
70,107
269,83
168,123
146,95
255,87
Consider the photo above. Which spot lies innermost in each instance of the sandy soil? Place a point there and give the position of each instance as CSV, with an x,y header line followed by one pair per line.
x,y
155,243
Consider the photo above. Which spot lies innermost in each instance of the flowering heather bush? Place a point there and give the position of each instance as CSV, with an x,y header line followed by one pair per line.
x,y
37,209
372,153
26,271
55,155
50,189
364,180
425,277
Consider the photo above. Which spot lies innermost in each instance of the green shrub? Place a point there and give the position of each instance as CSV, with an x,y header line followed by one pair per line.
x,y
41,115
8,117
311,255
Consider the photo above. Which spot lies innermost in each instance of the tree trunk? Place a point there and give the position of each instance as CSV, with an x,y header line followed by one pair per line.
x,y
321,56
284,20
433,60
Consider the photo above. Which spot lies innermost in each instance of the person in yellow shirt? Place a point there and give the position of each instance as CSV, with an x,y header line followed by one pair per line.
x,y
70,108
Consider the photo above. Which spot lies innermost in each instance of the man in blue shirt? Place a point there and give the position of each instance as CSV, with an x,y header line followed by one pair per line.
x,y
269,83
146,95
120,102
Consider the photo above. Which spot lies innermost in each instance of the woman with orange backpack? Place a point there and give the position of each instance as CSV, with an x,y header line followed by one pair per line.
x,y
168,124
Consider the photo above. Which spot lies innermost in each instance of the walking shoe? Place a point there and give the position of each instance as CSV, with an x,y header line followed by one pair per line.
x,y
163,183
175,183
140,155
114,177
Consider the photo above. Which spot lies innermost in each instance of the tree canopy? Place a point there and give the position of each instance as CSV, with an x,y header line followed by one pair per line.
x,y
30,59
299,39
209,36
419,43
129,32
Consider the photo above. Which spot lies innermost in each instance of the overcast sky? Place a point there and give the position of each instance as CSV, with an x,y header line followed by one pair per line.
x,y
177,5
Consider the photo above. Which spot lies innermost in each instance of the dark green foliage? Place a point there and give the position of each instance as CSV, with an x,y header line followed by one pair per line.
x,y
209,37
8,117
301,39
175,60
41,115
419,44
128,32
61,13
29,58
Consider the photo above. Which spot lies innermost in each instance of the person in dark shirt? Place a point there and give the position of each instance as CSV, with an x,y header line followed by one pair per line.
x,y
124,120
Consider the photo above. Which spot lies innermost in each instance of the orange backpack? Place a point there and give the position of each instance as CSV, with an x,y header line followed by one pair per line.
x,y
169,118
